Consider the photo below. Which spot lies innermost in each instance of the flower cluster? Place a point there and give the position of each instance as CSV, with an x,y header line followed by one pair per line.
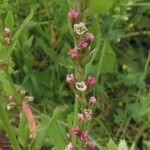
x,y
84,41
80,84
85,37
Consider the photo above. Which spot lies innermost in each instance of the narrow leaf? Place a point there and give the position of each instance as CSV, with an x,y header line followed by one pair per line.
x,y
9,22
111,145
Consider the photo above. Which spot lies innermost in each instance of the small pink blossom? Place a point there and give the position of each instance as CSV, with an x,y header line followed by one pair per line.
x,y
73,15
91,145
84,136
89,37
92,100
70,79
82,44
90,81
80,117
76,130
73,53
69,147
30,117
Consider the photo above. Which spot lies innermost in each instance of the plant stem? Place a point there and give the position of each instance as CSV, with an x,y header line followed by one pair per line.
x,y
9,130
101,60
136,4
75,120
136,34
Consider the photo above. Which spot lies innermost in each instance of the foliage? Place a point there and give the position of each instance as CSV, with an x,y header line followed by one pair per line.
x,y
36,61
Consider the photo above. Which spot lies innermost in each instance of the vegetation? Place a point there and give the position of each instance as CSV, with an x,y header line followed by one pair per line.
x,y
38,109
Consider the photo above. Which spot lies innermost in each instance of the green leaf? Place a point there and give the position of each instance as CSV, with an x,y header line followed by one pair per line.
x,y
6,85
16,35
111,145
9,22
57,135
147,145
107,60
101,6
123,145
23,129
39,141
104,61
132,147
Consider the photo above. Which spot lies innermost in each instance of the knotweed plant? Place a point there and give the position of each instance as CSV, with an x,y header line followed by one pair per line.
x,y
81,84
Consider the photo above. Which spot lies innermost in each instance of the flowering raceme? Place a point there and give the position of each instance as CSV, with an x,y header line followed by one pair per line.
x,y
78,137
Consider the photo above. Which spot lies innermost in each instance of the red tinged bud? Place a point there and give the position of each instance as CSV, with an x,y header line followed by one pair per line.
x,y
76,130
73,15
90,81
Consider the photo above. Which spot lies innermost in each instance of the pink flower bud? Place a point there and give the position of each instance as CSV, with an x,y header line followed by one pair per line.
x,y
84,136
73,53
89,37
82,44
69,147
92,100
81,117
70,79
90,81
73,15
76,130
91,145
87,113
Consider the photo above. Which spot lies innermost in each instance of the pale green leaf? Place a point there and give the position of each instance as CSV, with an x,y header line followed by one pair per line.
x,y
39,141
132,147
9,21
123,145
111,145
23,130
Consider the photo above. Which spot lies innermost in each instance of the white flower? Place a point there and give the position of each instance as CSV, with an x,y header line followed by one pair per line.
x,y
81,86
10,106
80,28
87,113
7,30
